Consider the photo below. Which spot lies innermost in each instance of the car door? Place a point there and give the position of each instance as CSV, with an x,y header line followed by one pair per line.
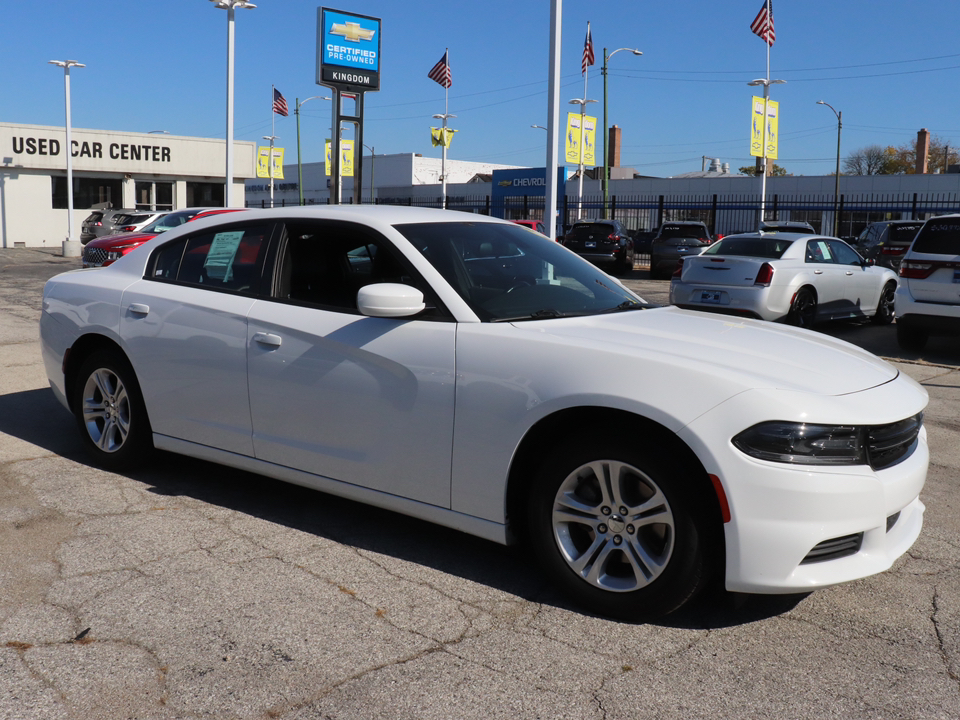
x,y
861,289
828,277
185,328
363,400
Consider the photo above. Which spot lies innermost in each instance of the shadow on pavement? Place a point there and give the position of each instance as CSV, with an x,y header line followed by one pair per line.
x,y
36,417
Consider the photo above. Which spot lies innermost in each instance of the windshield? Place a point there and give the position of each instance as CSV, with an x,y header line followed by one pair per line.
x,y
167,222
505,272
771,248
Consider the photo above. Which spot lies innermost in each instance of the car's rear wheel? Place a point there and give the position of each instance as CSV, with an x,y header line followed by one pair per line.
x,y
884,314
618,530
803,310
110,412
911,338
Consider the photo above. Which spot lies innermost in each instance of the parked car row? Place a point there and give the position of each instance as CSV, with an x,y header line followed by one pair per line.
x,y
909,270
110,248
466,371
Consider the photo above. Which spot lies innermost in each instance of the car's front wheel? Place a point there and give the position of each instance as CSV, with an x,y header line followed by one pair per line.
x,y
110,411
884,314
618,530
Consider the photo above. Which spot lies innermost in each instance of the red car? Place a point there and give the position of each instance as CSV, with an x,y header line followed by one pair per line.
x,y
108,248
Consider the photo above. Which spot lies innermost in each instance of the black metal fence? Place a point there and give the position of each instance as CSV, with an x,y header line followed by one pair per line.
x,y
723,214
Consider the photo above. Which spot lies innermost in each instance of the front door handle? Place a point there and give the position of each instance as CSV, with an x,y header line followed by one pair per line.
x,y
268,339
818,272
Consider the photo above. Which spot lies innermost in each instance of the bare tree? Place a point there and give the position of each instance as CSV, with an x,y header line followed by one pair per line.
x,y
871,160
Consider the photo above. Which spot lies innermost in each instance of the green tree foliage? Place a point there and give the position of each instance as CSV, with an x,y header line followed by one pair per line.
x,y
752,170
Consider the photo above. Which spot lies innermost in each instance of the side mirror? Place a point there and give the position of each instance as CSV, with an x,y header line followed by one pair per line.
x,y
389,300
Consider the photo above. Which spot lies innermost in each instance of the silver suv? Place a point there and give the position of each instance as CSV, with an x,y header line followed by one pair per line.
x,y
928,296
101,222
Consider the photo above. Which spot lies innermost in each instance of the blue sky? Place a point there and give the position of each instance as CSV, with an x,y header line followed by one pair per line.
x,y
161,65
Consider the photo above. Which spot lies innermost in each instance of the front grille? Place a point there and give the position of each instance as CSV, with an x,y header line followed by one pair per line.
x,y
889,444
94,256
834,549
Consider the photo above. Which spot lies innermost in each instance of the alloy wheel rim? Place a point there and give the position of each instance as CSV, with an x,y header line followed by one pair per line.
x,y
106,410
613,526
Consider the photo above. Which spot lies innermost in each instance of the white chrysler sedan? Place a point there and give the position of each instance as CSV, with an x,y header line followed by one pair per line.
x,y
796,278
471,372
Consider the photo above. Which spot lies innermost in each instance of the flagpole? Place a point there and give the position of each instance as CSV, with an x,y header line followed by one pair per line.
x,y
443,154
273,133
583,107
766,100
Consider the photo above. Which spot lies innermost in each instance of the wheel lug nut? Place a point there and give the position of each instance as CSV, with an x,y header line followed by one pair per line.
x,y
602,529
605,510
630,529
617,540
623,511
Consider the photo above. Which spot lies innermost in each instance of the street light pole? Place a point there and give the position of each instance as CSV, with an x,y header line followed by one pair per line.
x,y
836,190
229,6
271,138
71,247
766,82
606,139
296,111
582,102
443,157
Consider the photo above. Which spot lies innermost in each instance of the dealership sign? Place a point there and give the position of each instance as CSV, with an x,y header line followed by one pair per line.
x,y
348,50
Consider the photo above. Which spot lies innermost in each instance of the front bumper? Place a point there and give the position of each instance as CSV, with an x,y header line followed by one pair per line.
x,y
784,516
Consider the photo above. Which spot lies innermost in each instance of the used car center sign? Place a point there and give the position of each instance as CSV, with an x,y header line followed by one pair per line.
x,y
348,50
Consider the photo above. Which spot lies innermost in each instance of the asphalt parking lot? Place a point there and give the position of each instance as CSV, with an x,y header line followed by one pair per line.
x,y
189,590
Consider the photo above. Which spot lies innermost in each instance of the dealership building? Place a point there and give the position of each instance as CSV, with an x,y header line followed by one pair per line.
x,y
117,169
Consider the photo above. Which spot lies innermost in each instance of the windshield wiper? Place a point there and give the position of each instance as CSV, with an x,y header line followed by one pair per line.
x,y
538,315
625,305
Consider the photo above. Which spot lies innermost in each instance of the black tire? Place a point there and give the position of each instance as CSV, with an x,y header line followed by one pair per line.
x,y
884,313
110,412
803,310
639,564
911,338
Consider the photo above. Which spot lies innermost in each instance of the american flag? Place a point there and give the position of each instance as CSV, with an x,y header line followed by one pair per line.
x,y
279,104
587,52
441,72
763,24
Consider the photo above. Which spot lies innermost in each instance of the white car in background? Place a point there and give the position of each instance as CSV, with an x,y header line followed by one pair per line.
x,y
928,299
467,371
799,279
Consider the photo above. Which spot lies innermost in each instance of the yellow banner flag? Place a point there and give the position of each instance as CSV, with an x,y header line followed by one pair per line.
x,y
277,165
581,141
346,158
441,136
263,162
761,136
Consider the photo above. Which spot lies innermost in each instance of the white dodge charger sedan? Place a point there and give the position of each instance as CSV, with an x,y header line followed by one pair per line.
x,y
788,277
471,372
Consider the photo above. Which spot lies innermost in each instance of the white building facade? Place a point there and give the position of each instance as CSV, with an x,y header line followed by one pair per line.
x,y
110,169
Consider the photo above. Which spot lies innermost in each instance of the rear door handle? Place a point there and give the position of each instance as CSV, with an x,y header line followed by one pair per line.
x,y
139,308
268,339
818,272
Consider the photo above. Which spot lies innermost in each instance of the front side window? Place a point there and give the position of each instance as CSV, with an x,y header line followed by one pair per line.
x,y
326,263
844,254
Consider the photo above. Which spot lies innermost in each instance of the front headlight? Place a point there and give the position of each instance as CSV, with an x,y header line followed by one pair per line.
x,y
804,443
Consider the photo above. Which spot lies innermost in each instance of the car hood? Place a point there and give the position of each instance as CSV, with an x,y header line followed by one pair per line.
x,y
110,241
754,353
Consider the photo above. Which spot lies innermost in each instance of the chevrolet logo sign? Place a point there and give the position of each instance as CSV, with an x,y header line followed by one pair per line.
x,y
352,32
505,183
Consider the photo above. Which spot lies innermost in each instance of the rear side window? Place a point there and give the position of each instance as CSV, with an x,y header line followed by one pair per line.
x,y
224,259
939,236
